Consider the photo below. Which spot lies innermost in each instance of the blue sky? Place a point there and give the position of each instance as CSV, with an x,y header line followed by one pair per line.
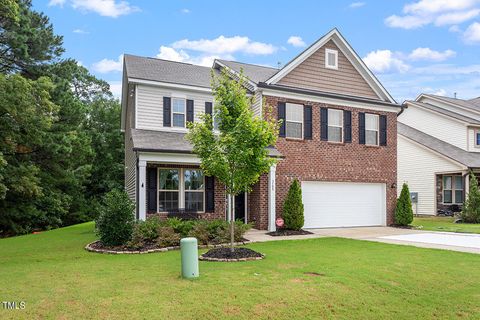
x,y
412,46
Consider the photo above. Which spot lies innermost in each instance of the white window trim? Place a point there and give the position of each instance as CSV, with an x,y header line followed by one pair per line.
x,y
378,130
181,188
184,113
301,122
475,133
335,52
452,189
335,126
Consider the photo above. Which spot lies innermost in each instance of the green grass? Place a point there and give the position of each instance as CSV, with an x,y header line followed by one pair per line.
x,y
445,224
58,279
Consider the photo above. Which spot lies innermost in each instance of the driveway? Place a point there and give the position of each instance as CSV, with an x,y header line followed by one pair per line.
x,y
426,239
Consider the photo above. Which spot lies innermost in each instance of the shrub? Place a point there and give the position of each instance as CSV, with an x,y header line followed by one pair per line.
x,y
200,231
404,211
167,237
115,222
239,231
471,208
293,207
182,227
145,232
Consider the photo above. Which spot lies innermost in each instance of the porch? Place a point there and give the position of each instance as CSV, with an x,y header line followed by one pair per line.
x,y
452,189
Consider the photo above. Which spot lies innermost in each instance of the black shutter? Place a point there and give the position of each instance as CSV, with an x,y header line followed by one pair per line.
x,y
307,122
347,126
209,194
281,116
208,108
152,189
324,124
167,114
361,128
383,130
189,110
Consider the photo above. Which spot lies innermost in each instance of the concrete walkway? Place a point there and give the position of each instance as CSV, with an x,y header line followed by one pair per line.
x,y
419,238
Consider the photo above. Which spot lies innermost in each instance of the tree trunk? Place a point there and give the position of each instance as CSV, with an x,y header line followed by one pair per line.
x,y
231,214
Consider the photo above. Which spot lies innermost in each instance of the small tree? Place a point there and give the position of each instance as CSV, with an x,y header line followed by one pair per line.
x,y
403,211
293,207
237,156
115,223
471,208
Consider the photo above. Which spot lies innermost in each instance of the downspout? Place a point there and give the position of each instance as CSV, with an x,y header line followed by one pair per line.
x,y
403,107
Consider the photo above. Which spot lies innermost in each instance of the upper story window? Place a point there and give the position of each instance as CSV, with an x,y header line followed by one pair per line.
x,y
335,125
178,112
477,138
331,58
371,129
453,189
294,120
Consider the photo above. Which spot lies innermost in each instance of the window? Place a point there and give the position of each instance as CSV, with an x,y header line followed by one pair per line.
x,y
453,189
371,129
294,121
194,190
331,59
178,112
335,125
215,117
168,189
477,138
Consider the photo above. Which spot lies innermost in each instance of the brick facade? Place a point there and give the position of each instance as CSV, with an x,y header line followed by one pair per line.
x,y
316,160
257,206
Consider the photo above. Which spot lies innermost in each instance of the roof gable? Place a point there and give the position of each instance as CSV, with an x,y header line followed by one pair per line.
x,y
334,39
457,107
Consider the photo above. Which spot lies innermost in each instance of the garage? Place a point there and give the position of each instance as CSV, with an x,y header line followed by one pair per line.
x,y
343,204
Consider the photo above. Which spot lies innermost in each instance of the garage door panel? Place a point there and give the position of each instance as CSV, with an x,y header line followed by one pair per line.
x,y
339,204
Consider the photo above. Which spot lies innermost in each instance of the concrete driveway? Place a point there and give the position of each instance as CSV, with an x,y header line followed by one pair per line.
x,y
419,238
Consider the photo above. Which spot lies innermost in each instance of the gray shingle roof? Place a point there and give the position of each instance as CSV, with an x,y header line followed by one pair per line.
x,y
175,142
460,102
167,71
456,115
469,159
254,72
475,102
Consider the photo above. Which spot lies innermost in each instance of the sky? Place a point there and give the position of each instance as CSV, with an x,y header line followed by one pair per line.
x,y
413,47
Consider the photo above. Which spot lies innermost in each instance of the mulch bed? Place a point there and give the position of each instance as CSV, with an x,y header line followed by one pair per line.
x,y
225,254
285,232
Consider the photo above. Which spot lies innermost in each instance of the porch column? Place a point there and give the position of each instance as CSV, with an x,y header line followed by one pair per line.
x,y
142,184
467,184
271,198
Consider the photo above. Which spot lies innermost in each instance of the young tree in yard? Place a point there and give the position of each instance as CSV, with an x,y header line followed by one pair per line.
x,y
471,208
237,155
293,207
404,211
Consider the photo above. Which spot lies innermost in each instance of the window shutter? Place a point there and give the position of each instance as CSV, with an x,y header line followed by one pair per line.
x,y
324,124
167,114
209,194
383,130
208,108
307,122
361,128
347,126
189,110
152,189
281,116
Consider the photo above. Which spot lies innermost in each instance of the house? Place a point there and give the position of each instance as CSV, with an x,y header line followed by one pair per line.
x,y
438,144
338,137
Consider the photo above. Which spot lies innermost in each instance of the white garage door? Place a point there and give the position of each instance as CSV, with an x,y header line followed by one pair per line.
x,y
343,204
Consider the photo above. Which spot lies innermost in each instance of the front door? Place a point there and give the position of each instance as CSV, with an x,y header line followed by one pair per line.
x,y
240,207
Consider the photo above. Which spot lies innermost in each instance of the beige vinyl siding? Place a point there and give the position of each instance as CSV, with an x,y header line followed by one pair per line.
x,y
436,125
257,104
130,157
471,140
417,167
150,105
312,74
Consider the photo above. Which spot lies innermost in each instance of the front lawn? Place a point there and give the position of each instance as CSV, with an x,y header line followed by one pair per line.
x,y
351,279
444,224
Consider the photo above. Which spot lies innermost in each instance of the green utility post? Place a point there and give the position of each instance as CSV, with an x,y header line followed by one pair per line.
x,y
189,249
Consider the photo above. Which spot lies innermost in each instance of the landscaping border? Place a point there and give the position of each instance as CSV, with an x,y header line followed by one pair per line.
x,y
89,248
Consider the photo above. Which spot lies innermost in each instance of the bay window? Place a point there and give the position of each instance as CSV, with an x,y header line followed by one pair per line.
x,y
294,120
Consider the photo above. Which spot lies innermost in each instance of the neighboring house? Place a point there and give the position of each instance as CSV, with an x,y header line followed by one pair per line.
x,y
338,138
438,143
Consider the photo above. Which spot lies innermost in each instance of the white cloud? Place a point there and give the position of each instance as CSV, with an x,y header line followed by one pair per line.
x,y
429,54
108,65
354,5
438,12
472,34
226,45
454,28
296,41
383,61
185,11
169,53
106,8
80,31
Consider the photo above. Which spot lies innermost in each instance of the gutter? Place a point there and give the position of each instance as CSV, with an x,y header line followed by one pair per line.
x,y
403,107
